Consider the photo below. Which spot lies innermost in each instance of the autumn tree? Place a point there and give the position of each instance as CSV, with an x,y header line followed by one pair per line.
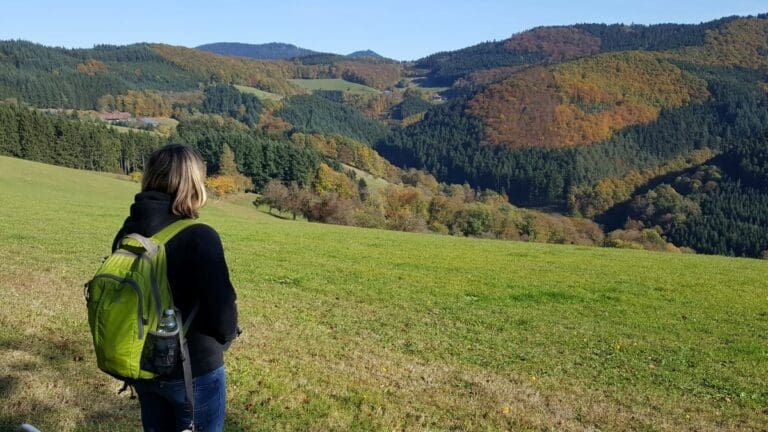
x,y
330,181
228,180
274,196
299,200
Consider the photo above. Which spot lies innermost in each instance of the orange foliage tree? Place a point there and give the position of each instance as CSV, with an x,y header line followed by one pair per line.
x,y
376,75
143,103
91,67
270,76
583,101
555,43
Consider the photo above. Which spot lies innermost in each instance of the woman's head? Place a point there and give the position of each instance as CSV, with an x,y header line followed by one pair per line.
x,y
178,171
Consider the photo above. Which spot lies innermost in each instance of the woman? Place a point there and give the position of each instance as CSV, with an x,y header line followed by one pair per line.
x,y
173,188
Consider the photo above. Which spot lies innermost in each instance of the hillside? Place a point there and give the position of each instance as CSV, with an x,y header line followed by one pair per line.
x,y
388,330
267,51
546,45
590,116
333,85
51,77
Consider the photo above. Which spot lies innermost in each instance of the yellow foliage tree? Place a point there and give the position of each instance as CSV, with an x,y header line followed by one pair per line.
x,y
330,181
229,180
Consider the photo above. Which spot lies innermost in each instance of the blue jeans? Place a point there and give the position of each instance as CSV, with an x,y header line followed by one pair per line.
x,y
164,407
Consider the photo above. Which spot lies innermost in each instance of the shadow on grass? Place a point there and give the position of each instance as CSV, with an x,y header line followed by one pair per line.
x,y
9,422
51,381
279,215
46,382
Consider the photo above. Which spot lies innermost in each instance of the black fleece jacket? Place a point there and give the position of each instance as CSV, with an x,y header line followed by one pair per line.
x,y
197,272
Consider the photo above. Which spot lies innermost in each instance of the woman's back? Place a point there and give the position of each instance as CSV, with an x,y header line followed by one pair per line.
x,y
197,273
172,189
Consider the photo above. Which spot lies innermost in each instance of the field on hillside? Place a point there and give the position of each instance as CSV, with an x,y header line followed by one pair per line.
x,y
165,125
261,94
417,83
355,329
332,84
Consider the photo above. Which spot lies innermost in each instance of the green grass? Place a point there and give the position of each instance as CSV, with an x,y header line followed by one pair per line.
x,y
333,84
354,329
126,129
261,94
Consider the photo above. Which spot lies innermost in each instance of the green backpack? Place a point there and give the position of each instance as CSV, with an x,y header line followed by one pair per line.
x,y
126,300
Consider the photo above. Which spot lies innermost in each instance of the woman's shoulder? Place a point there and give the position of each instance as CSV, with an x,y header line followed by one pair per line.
x,y
200,232
195,240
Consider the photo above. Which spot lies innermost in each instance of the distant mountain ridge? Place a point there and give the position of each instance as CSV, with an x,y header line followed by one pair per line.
x,y
273,51
365,53
267,51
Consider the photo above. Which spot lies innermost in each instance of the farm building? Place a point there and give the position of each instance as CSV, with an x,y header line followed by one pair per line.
x,y
116,116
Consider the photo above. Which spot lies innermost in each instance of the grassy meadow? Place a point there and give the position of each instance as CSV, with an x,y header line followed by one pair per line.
x,y
357,329
333,84
261,94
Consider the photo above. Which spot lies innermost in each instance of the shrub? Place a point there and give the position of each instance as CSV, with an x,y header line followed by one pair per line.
x,y
222,185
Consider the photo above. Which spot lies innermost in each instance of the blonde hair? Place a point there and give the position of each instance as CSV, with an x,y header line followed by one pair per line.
x,y
178,171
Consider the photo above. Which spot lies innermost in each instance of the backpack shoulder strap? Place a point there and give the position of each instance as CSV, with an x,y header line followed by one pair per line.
x,y
167,233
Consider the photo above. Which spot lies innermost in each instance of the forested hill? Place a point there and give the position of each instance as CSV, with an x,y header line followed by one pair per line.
x,y
79,78
365,53
592,118
267,51
274,51
546,45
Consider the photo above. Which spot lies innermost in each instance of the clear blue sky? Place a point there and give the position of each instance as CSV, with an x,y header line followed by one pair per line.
x,y
399,29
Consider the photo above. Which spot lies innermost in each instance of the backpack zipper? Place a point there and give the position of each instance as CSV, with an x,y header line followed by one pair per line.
x,y
155,289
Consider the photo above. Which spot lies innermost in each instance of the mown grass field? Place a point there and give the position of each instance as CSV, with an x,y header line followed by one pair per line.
x,y
333,84
261,94
354,329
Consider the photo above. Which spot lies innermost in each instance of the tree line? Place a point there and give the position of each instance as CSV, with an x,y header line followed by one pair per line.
x,y
260,156
310,113
419,204
67,141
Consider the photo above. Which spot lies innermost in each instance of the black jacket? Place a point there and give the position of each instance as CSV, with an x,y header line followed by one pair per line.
x,y
197,272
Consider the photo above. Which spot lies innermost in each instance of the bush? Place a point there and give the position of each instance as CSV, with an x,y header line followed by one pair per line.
x,y
473,221
330,208
638,238
221,185
405,220
438,228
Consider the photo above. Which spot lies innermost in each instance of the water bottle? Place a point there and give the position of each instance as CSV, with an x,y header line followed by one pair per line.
x,y
168,322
